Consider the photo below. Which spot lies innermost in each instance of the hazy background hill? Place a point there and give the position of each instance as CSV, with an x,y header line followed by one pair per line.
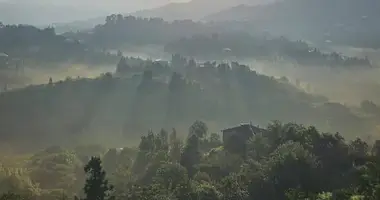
x,y
86,14
337,20
195,9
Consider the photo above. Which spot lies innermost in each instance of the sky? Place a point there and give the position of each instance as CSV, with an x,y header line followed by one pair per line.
x,y
40,12
106,5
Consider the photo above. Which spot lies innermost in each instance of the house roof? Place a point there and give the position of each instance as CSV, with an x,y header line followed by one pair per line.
x,y
3,55
243,127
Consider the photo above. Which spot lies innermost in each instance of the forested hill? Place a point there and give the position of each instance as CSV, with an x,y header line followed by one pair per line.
x,y
342,21
118,31
241,46
145,94
37,46
207,40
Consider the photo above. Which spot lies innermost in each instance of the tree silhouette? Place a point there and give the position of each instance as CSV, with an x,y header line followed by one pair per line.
x,y
191,155
199,129
97,186
11,196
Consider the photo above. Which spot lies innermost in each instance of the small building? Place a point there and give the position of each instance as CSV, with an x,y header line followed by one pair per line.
x,y
244,131
3,55
3,60
234,139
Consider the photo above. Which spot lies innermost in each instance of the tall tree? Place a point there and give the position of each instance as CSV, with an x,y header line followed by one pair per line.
x,y
191,155
164,138
175,146
97,186
199,129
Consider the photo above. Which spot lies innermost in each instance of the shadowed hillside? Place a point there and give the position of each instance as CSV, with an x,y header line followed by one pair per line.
x,y
161,95
348,22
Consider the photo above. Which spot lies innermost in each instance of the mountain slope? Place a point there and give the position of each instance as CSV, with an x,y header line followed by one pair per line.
x,y
339,9
322,19
156,96
195,9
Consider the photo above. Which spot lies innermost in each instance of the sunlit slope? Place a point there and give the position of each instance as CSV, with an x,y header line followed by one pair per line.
x,y
156,97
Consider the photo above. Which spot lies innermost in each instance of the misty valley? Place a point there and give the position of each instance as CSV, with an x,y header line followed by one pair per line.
x,y
274,100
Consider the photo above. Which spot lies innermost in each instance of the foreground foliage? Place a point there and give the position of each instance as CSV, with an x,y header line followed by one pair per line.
x,y
286,161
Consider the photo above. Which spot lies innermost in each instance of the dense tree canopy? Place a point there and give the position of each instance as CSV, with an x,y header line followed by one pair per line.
x,y
133,30
285,161
207,41
240,46
36,46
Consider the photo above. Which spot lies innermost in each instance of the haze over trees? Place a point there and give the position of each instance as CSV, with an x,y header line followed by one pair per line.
x,y
130,29
39,47
338,21
173,113
162,95
240,46
344,22
208,41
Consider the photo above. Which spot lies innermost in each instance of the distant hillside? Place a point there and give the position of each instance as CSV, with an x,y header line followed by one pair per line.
x,y
243,46
78,25
342,21
195,9
176,10
146,94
